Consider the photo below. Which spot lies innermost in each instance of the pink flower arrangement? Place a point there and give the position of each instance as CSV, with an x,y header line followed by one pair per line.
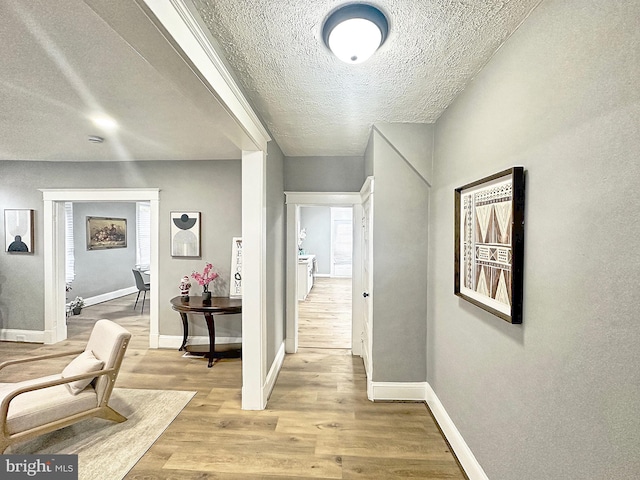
x,y
204,278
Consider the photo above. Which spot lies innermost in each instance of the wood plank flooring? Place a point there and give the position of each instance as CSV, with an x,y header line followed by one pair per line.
x,y
318,423
324,317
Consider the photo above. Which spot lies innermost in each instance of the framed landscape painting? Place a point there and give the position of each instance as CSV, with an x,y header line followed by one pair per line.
x,y
105,232
489,243
18,230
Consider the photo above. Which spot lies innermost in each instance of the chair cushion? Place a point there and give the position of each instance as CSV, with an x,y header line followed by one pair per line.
x,y
33,409
108,342
84,363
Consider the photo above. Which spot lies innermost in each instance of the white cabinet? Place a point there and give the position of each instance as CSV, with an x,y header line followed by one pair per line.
x,y
306,271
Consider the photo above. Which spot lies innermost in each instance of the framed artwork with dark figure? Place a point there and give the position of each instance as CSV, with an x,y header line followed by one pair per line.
x,y
489,243
18,230
185,234
104,233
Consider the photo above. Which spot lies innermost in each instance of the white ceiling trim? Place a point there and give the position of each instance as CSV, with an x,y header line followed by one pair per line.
x,y
179,21
323,198
101,195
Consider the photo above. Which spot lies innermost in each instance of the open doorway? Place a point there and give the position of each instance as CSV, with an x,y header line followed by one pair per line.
x,y
106,245
296,201
325,249
54,252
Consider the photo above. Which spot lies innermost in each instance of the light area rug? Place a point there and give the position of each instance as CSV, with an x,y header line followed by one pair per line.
x,y
108,450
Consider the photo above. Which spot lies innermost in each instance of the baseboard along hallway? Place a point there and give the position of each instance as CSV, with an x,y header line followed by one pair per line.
x,y
318,423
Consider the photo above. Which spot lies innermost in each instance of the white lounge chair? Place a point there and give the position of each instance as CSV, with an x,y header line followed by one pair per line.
x,y
33,407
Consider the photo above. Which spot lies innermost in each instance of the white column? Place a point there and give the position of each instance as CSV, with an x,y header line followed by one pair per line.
x,y
254,234
55,326
154,302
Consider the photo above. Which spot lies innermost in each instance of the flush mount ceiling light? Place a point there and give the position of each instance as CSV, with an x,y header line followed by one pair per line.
x,y
355,31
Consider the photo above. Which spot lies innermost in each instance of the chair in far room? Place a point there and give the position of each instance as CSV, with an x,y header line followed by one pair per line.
x,y
142,287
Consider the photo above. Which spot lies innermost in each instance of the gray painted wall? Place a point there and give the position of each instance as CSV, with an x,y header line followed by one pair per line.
x,y
102,271
559,396
414,141
276,235
399,293
211,187
323,174
317,221
21,276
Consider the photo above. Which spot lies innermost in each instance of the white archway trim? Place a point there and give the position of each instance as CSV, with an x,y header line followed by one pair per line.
x,y
55,328
180,20
294,200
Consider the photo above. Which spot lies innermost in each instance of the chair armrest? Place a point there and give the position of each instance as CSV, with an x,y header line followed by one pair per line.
x,y
39,357
4,405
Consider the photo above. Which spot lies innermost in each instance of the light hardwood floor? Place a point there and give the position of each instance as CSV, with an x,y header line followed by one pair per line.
x,y
318,423
324,317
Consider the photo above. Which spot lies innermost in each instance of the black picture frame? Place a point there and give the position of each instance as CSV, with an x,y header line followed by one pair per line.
x,y
489,243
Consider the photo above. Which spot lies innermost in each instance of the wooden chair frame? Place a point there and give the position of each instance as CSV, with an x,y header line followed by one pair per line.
x,y
103,410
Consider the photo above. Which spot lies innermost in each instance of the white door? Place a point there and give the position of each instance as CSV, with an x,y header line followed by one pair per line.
x,y
367,284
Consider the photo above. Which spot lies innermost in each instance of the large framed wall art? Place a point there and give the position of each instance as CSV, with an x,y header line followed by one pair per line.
x,y
18,230
104,232
489,243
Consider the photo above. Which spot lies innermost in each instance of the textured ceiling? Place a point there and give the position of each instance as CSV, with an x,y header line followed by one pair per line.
x,y
62,62
314,104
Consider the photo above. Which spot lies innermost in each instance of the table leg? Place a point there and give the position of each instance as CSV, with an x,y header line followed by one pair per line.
x,y
185,331
212,336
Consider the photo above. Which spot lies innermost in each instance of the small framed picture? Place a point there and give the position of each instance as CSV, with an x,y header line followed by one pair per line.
x,y
18,230
104,233
489,243
185,234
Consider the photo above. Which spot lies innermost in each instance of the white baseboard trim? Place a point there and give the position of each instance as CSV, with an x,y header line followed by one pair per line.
x,y
289,345
174,341
26,336
422,392
464,454
272,376
399,391
105,297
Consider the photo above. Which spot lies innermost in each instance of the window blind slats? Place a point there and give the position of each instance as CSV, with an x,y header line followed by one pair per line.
x,y
143,234
69,252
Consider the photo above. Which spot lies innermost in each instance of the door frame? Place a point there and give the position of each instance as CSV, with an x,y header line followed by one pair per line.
x,y
293,201
55,326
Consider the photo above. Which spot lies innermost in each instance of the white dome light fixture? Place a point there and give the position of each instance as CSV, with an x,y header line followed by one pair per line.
x,y
355,31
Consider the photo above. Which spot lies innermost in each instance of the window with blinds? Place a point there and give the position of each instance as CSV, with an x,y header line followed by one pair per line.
x,y
143,235
69,252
